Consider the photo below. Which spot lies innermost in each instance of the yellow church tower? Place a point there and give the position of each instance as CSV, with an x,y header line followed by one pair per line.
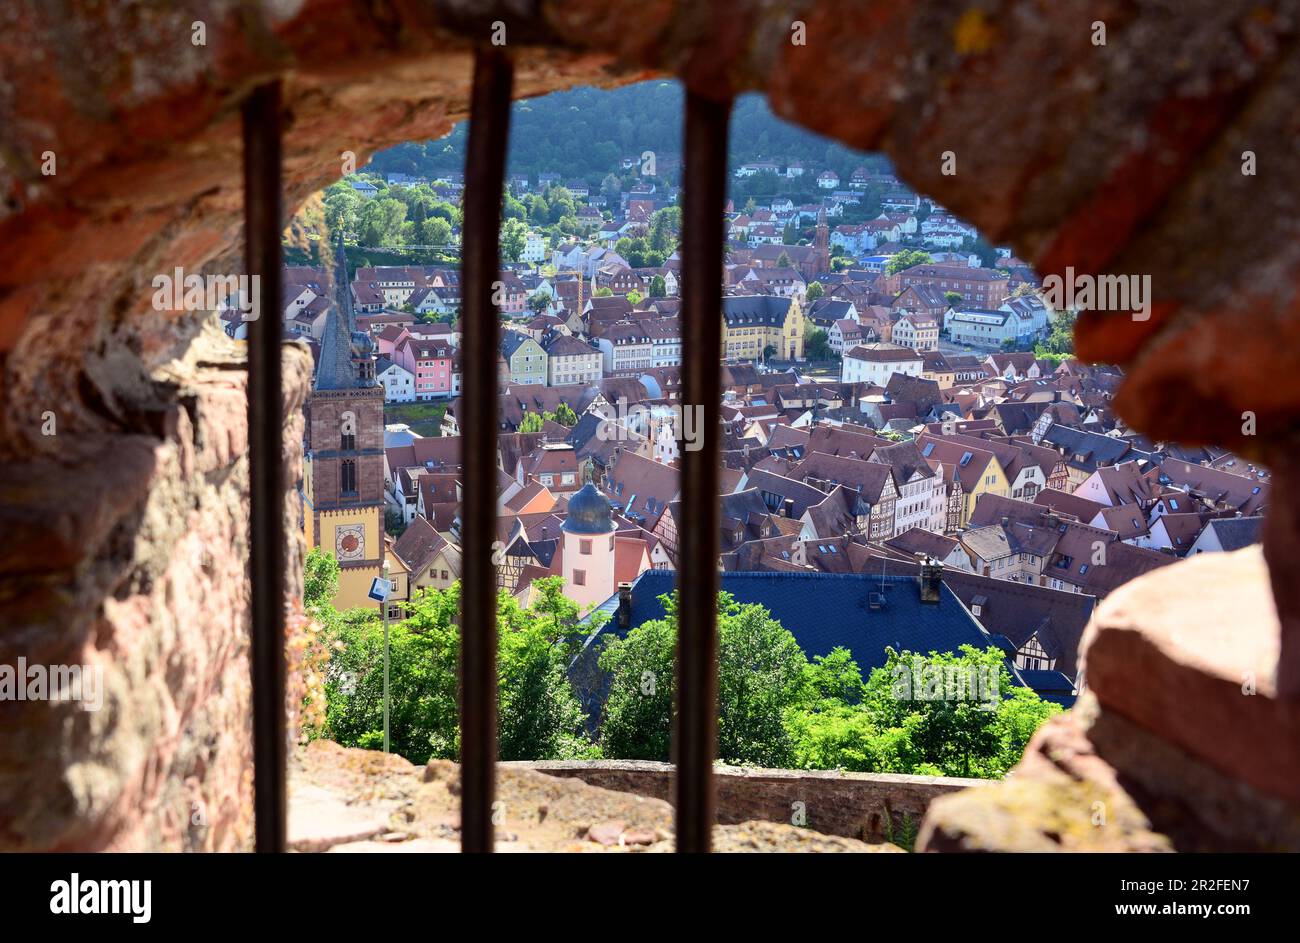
x,y
343,468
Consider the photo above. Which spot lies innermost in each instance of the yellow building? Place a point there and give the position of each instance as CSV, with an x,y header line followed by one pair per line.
x,y
753,323
986,478
343,467
978,470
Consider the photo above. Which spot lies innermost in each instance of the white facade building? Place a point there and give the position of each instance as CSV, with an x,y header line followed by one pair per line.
x,y
876,363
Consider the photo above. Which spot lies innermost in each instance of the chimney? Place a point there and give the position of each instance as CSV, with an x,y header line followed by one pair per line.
x,y
931,579
624,606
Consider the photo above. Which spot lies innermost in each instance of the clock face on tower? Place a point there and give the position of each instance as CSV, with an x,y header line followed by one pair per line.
x,y
350,542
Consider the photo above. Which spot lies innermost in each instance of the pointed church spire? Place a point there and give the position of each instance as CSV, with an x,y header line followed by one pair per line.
x,y
342,285
336,370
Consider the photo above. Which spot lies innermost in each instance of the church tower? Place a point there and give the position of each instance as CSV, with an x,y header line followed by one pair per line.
x,y
822,243
343,468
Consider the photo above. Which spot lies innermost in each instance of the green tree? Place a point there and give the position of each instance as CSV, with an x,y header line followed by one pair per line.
x,y
981,734
665,224
423,654
513,209
342,207
658,287
513,235
634,297
532,422
320,579
437,231
1060,339
760,675
906,259
816,344
815,291
538,302
561,204
565,415
381,222
778,708
954,298
539,714
539,211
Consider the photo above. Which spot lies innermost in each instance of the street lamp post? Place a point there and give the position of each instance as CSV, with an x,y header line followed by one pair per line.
x,y
383,606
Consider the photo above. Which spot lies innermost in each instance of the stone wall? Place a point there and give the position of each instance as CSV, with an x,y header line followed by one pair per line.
x,y
873,807
129,557
1181,743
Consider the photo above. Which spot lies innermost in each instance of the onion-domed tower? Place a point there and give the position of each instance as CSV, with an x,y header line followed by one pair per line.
x,y
588,554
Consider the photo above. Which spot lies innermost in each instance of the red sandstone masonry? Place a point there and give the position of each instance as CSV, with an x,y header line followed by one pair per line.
x,y
854,805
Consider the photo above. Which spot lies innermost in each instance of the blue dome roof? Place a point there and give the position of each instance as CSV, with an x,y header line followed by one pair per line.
x,y
588,512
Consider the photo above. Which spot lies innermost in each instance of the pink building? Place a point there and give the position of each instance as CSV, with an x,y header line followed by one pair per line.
x,y
514,295
430,361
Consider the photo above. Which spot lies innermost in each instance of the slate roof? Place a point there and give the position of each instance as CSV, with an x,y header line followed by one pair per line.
x,y
1095,449
770,310
335,369
1051,686
1014,612
1236,532
841,616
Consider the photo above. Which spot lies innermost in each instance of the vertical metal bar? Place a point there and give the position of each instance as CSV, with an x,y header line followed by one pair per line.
x,y
263,223
481,265
695,742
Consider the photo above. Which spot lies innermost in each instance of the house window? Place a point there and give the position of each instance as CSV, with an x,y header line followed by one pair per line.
x,y
349,442
348,476
579,577
584,547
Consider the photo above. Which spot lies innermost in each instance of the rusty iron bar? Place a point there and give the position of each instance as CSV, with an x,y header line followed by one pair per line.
x,y
485,167
695,742
263,260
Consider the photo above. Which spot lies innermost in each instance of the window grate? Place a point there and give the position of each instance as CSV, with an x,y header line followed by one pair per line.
x,y
695,743
480,259
262,226
695,734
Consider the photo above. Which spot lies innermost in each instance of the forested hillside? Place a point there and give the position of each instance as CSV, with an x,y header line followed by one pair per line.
x,y
582,134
